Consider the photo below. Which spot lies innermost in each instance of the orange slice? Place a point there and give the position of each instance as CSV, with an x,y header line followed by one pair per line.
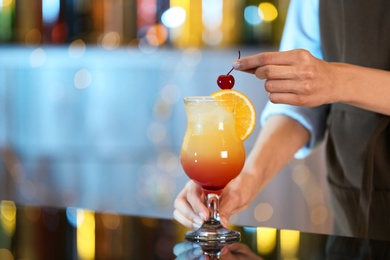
x,y
245,113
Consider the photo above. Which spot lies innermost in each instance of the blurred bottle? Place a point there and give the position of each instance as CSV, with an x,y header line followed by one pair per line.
x,y
7,13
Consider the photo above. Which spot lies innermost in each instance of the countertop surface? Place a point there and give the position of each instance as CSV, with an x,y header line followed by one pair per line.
x,y
40,232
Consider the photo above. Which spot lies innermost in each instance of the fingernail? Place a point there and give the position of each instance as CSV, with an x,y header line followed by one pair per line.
x,y
196,225
224,222
198,221
202,216
236,65
224,250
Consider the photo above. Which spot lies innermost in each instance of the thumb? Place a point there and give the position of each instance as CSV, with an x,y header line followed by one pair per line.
x,y
224,220
225,211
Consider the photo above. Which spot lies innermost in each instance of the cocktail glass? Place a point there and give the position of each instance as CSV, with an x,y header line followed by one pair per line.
x,y
212,155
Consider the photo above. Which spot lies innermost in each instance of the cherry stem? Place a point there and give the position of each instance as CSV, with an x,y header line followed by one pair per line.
x,y
239,56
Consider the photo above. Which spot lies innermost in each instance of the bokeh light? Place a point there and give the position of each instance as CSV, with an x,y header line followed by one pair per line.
x,y
266,240
212,38
33,37
50,11
263,212
300,174
5,254
73,217
59,33
111,23
319,215
162,109
289,243
156,132
174,17
168,162
82,79
268,11
111,220
8,216
252,15
77,49
157,34
37,58
146,12
86,234
212,14
5,3
111,40
171,94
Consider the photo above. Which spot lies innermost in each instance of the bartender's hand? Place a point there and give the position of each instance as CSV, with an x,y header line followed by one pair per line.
x,y
293,77
298,78
191,211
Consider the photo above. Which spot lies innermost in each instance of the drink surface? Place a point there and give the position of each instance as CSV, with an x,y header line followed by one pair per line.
x,y
212,154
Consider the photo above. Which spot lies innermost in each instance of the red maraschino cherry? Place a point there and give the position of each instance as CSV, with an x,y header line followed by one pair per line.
x,y
227,81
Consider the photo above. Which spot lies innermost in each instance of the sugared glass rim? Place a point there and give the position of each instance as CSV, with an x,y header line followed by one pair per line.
x,y
207,100
199,99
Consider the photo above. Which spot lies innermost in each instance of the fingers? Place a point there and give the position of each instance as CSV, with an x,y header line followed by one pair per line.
x,y
228,206
250,63
292,77
226,210
274,65
285,58
276,72
293,92
190,209
234,198
185,221
283,86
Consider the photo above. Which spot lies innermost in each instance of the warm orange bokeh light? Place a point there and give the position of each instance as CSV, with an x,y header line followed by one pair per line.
x,y
157,35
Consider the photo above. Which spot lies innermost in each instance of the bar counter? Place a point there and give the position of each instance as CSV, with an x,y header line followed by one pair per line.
x,y
41,232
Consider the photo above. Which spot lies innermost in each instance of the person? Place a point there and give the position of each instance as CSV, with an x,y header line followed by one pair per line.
x,y
329,81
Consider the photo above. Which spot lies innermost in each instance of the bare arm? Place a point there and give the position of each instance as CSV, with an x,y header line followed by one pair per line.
x,y
275,146
363,87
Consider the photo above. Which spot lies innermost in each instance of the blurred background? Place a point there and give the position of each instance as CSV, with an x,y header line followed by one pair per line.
x,y
91,111
160,23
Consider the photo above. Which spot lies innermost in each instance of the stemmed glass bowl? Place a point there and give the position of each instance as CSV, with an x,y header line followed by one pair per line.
x,y
212,155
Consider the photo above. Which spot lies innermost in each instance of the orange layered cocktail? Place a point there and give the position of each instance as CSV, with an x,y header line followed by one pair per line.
x,y
212,153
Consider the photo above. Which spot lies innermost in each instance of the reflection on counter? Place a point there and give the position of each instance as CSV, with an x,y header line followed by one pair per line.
x,y
73,233
31,232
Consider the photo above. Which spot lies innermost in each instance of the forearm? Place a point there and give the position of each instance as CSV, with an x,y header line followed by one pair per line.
x,y
363,87
275,146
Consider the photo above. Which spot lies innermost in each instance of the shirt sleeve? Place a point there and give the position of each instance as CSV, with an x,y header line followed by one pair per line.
x,y
302,27
302,31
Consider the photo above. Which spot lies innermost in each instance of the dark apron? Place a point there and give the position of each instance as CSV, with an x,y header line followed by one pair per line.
x,y
358,145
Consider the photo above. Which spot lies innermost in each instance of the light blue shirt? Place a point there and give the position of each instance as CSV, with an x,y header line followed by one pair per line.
x,y
302,31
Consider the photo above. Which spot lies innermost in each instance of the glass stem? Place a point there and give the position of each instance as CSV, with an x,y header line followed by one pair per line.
x,y
213,205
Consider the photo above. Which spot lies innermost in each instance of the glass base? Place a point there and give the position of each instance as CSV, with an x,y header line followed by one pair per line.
x,y
213,232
